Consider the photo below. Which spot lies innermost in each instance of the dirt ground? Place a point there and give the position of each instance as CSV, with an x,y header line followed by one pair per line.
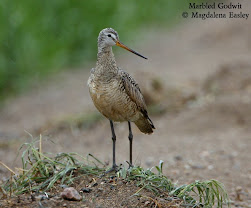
x,y
108,191
198,82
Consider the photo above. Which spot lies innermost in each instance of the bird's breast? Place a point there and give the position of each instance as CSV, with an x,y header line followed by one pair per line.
x,y
111,100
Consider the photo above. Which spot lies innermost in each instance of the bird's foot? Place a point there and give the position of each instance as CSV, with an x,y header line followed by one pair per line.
x,y
114,168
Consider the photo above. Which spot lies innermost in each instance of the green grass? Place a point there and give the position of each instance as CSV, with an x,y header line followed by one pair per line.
x,y
41,37
200,193
40,171
43,171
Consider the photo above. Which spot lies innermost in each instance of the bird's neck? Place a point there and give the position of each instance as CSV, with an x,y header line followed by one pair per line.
x,y
105,61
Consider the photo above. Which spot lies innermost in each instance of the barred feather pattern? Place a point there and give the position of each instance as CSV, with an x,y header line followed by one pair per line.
x,y
115,93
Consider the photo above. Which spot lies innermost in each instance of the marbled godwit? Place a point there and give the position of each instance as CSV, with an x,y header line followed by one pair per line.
x,y
114,92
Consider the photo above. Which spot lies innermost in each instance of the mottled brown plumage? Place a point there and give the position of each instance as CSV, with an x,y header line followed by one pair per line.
x,y
113,91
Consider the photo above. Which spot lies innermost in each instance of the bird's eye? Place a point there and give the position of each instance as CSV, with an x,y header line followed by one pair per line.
x,y
109,35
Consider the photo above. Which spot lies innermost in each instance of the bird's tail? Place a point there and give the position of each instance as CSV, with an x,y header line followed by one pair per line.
x,y
145,125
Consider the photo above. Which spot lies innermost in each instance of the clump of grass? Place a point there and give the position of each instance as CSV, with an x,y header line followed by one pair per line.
x,y
40,171
146,179
197,194
43,171
203,193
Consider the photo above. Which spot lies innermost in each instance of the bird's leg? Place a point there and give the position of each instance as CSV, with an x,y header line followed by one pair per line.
x,y
114,166
130,137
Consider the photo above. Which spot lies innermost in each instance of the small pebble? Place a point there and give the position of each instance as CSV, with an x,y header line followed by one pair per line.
x,y
64,186
169,198
123,203
197,166
120,183
86,190
100,190
178,157
40,197
71,194
210,167
142,199
33,198
95,184
112,187
187,166
204,154
239,192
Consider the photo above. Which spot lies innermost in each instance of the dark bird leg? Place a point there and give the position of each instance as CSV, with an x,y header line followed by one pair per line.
x,y
130,137
114,166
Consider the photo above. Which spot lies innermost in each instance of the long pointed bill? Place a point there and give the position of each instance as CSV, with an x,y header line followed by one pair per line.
x,y
125,47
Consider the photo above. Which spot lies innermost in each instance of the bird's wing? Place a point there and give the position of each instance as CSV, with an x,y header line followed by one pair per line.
x,y
133,91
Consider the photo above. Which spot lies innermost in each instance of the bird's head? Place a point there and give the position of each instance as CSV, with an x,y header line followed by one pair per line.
x,y
108,37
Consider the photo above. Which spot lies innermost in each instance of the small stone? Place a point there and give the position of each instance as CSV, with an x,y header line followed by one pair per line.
x,y
147,203
161,200
169,198
239,192
210,167
197,166
86,190
178,157
56,197
238,188
33,198
142,200
120,183
40,197
187,166
100,190
71,194
95,184
204,154
124,203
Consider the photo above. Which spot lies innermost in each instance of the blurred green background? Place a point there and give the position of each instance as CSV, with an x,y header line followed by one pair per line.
x,y
41,37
